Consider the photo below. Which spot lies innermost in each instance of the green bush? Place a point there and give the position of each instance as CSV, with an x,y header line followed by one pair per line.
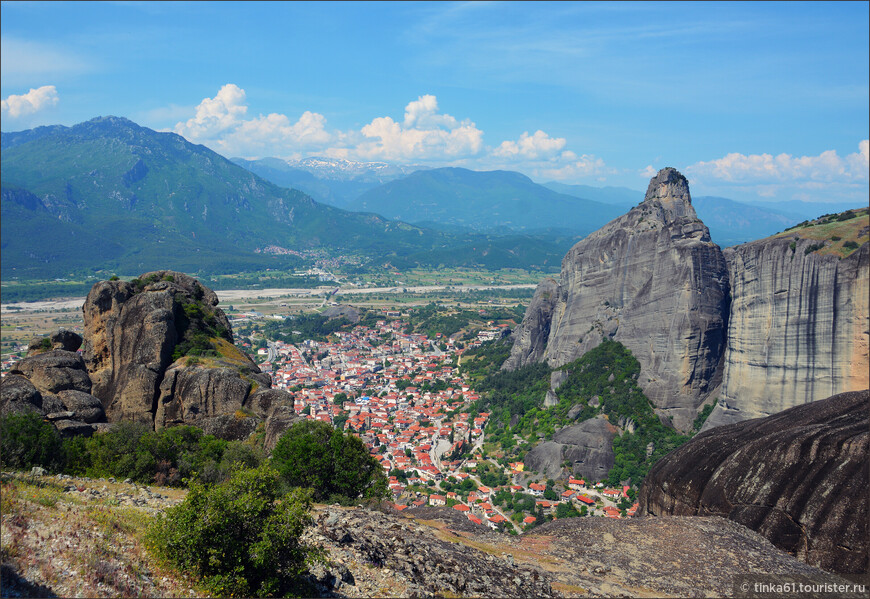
x,y
240,537
335,466
165,457
26,441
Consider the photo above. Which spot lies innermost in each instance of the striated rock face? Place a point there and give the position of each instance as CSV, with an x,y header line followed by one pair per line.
x,y
800,478
653,280
131,332
798,329
588,446
530,339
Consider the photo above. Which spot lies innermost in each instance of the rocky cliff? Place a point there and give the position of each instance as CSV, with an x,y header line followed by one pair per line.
x,y
651,279
160,351
761,327
800,478
798,329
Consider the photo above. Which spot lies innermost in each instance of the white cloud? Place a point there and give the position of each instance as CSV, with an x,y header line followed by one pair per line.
x,y
29,103
220,123
425,134
648,172
827,167
532,147
584,166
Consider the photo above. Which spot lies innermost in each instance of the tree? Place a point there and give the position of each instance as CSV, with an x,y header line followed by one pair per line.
x,y
336,466
240,537
339,398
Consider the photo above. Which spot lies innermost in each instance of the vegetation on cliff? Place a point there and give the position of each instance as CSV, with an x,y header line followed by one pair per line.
x,y
839,234
602,381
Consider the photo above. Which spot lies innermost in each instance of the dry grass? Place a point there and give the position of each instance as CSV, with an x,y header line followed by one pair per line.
x,y
78,546
825,232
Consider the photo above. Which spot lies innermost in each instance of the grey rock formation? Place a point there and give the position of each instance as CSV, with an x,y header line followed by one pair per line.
x,y
54,371
651,279
588,446
263,400
84,406
17,394
798,329
190,393
530,339
798,477
281,417
131,332
231,427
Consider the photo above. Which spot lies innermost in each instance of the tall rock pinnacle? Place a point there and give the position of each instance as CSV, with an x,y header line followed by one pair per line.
x,y
669,191
651,279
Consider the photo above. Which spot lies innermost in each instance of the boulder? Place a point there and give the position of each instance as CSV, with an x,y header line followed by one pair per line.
x,y
798,477
281,417
231,427
66,340
588,446
263,400
55,370
17,394
73,428
189,394
85,406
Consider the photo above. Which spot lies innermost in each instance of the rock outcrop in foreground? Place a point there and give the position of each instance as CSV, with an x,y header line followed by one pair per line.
x,y
53,382
653,280
436,551
156,350
800,478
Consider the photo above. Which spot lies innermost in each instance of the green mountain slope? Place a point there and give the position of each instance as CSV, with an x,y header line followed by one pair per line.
x,y
483,201
108,193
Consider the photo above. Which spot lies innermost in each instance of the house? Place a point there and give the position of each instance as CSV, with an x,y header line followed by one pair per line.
x,y
437,500
461,507
475,519
545,505
537,489
529,519
567,495
576,484
484,492
611,512
585,499
516,488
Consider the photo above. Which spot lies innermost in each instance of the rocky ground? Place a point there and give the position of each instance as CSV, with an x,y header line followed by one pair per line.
x,y
79,537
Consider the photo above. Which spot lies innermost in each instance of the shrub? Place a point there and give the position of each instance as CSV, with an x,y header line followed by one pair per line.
x,y
850,245
337,467
27,441
117,453
240,537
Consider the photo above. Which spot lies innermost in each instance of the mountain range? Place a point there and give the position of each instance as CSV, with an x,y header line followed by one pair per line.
x,y
110,194
447,198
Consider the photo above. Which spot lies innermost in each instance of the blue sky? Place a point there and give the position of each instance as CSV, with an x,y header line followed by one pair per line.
x,y
753,101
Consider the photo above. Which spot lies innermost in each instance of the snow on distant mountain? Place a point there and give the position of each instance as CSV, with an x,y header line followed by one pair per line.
x,y
348,170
